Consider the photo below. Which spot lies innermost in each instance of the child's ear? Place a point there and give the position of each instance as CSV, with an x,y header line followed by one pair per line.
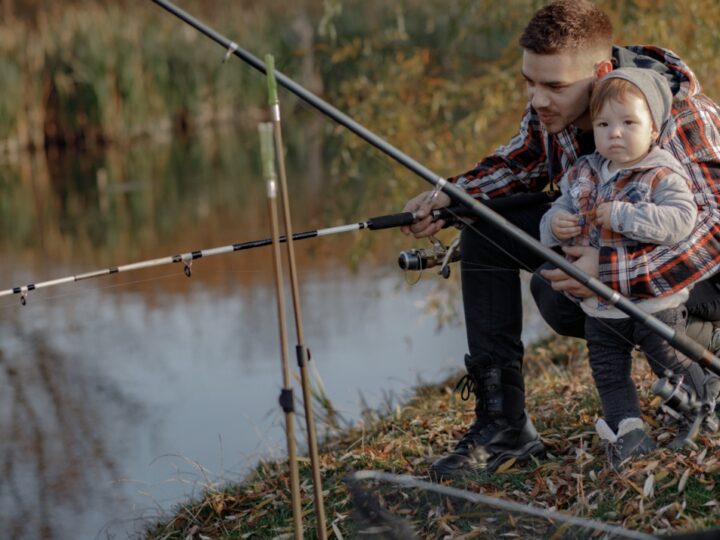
x,y
602,68
654,135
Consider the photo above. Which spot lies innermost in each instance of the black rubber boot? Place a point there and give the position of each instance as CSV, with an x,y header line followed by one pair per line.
x,y
501,430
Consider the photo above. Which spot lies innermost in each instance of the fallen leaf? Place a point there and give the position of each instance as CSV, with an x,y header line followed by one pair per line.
x,y
683,480
649,487
551,486
506,465
661,475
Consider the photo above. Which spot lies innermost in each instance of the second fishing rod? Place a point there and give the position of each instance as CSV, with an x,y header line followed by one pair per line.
x,y
417,259
677,339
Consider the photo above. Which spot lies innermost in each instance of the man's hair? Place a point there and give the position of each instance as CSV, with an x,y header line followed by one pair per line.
x,y
568,25
612,89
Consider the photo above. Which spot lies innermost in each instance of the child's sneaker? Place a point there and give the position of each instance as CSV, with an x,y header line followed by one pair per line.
x,y
630,441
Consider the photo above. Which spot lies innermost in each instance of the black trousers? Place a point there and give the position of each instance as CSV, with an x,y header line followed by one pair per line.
x,y
492,301
491,260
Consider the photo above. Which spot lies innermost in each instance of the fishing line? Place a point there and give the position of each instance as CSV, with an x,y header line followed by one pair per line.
x,y
366,152
99,289
370,155
96,290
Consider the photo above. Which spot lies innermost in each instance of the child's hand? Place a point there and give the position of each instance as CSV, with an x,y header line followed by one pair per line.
x,y
565,225
602,216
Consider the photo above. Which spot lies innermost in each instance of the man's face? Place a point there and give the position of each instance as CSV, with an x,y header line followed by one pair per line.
x,y
558,87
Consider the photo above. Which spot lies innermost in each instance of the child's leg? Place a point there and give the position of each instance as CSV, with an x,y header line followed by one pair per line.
x,y
609,347
622,430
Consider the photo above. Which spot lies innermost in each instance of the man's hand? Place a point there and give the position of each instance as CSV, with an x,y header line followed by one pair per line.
x,y
422,205
565,225
602,216
587,261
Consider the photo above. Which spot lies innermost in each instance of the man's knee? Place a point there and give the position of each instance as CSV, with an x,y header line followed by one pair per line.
x,y
704,301
562,314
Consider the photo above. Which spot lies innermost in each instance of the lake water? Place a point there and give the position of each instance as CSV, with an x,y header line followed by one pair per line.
x,y
127,394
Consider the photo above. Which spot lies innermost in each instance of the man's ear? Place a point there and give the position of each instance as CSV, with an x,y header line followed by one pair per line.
x,y
602,68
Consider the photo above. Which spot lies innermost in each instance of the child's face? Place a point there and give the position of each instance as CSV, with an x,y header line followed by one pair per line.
x,y
624,131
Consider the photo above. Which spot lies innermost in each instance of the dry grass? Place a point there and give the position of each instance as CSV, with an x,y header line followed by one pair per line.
x,y
665,492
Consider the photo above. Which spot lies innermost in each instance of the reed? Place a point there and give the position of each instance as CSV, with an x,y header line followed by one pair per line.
x,y
441,81
93,73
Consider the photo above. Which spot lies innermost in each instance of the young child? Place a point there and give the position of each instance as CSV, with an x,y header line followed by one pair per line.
x,y
628,191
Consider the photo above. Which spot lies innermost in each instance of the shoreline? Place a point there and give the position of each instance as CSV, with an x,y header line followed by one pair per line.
x,y
663,493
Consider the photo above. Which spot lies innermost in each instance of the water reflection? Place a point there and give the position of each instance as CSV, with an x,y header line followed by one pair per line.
x,y
124,395
114,404
122,203
101,380
55,440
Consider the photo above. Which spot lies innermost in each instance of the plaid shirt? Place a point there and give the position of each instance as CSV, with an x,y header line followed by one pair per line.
x,y
585,189
692,135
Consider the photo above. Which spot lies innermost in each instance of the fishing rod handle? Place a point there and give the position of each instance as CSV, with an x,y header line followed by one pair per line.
x,y
408,218
390,221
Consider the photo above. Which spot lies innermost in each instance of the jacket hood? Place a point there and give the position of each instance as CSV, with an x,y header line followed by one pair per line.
x,y
683,82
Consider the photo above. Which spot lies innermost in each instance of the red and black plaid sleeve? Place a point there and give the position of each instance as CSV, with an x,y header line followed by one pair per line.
x,y
517,167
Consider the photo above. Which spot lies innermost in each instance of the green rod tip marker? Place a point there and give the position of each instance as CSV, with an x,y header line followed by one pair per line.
x,y
272,84
267,150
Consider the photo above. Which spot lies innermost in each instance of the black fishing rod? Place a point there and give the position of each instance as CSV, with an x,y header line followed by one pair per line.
x,y
677,339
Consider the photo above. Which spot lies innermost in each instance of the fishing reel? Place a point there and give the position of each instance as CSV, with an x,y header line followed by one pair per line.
x,y
679,400
437,254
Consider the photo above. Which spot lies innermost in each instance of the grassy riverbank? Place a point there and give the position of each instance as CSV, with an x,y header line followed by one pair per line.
x,y
664,493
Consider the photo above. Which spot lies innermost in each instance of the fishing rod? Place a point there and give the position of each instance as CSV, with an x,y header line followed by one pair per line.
x,y
373,224
677,339
302,352
413,259
287,400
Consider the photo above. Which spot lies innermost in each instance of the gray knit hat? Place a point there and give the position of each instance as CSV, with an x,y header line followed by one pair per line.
x,y
653,86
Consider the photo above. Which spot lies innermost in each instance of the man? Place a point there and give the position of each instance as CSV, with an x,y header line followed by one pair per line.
x,y
567,46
